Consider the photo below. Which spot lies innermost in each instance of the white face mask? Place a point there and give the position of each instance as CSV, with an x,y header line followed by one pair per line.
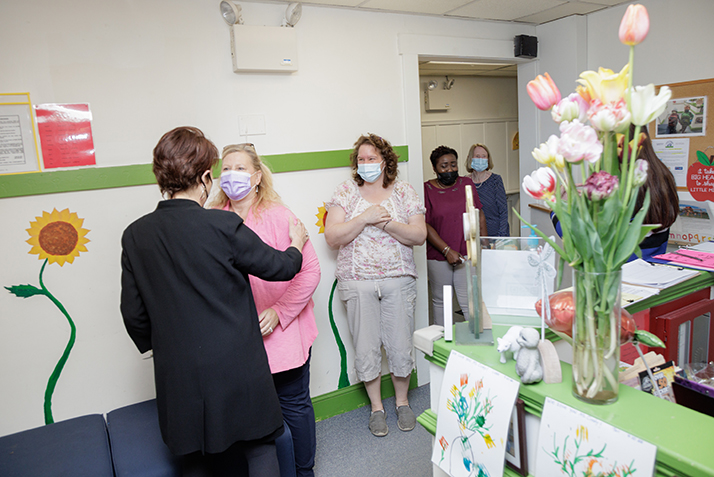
x,y
479,163
370,172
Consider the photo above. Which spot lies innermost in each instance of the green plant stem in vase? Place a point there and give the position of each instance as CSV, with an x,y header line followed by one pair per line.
x,y
596,336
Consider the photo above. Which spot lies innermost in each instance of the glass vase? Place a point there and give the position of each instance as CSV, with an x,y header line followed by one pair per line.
x,y
596,336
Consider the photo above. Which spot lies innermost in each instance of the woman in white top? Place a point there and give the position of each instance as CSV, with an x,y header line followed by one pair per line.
x,y
375,220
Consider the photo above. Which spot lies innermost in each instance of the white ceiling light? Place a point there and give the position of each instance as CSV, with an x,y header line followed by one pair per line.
x,y
432,85
292,14
231,13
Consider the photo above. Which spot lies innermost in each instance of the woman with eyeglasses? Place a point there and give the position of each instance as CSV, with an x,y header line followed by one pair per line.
x,y
490,190
285,309
375,220
185,295
445,201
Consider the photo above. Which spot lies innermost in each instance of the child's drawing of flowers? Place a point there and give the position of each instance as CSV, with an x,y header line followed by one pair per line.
x,y
471,410
574,460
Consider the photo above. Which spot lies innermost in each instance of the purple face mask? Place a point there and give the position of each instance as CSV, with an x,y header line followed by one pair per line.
x,y
236,184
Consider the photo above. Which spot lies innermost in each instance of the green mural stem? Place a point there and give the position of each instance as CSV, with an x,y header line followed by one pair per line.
x,y
344,378
25,291
52,382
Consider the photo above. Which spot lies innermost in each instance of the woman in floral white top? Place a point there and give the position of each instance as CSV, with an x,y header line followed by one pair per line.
x,y
375,220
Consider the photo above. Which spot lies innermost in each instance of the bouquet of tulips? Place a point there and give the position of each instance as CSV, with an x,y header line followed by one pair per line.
x,y
596,204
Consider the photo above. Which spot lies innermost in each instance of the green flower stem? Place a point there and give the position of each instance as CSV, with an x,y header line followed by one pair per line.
x,y
344,379
52,382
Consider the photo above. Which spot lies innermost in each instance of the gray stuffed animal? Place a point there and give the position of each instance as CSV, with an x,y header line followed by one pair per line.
x,y
528,365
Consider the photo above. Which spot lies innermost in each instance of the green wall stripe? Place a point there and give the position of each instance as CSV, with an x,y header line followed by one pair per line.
x,y
352,397
93,178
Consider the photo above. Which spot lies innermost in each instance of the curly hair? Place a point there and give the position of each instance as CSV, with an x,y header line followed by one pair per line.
x,y
440,152
265,195
181,157
471,154
385,149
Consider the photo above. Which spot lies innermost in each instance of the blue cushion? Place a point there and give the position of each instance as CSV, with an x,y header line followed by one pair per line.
x,y
139,451
76,447
137,447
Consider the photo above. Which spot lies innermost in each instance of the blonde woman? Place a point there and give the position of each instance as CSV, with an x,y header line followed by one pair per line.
x,y
285,309
490,190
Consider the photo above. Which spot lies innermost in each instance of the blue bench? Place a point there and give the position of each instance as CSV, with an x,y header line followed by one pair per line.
x,y
127,444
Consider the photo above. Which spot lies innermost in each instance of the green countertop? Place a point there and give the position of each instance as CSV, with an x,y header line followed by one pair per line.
x,y
684,438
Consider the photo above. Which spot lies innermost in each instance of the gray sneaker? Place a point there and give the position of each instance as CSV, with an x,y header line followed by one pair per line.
x,y
406,421
378,423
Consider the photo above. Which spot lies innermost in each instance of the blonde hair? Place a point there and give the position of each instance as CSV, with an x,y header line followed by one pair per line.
x,y
471,155
265,195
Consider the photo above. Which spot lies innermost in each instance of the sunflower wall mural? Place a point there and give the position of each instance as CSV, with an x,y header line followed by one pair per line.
x,y
344,379
56,237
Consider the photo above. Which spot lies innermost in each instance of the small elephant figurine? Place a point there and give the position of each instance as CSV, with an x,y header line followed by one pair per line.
x,y
528,365
509,342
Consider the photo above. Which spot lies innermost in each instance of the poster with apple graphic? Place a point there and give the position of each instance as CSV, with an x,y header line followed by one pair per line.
x,y
700,178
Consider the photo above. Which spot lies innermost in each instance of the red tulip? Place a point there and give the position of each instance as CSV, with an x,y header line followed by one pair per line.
x,y
543,92
635,25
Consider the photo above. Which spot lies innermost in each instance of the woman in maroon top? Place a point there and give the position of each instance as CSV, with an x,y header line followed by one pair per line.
x,y
445,201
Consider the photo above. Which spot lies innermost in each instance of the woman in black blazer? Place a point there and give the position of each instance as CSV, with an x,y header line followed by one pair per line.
x,y
186,295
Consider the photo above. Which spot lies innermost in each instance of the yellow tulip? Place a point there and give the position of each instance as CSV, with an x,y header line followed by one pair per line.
x,y
605,84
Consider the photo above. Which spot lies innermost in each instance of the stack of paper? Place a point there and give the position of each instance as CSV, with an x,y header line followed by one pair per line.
x,y
689,257
641,273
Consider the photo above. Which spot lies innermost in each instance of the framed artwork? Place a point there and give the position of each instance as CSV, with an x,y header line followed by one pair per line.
x,y
516,453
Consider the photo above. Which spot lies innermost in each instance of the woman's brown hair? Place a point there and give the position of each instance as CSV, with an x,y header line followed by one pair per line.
x,y
664,200
385,149
181,157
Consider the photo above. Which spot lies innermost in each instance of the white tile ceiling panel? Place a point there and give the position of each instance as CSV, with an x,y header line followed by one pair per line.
x,y
561,11
433,7
507,10
329,3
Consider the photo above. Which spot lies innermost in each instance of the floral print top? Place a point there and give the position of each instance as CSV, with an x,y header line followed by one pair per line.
x,y
374,254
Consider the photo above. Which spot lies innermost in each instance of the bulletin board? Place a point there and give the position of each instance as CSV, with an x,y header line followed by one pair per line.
x,y
691,89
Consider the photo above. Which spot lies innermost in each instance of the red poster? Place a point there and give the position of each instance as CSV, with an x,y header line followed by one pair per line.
x,y
65,134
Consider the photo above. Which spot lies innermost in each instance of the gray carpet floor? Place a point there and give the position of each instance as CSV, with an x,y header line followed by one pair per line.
x,y
346,448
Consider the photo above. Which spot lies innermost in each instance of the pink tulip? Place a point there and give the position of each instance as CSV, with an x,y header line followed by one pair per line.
x,y
571,107
609,117
540,184
600,185
635,25
543,92
579,142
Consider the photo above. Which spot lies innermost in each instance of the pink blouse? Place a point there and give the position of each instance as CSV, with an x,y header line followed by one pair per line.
x,y
289,344
374,254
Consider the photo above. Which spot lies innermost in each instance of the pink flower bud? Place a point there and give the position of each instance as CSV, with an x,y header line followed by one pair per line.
x,y
600,185
635,25
571,107
641,167
543,92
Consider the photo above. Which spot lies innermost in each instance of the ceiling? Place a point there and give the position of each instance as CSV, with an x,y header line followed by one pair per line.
x,y
529,12
532,12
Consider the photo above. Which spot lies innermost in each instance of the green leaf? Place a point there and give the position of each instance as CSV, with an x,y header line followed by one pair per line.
x,y
24,291
648,339
701,157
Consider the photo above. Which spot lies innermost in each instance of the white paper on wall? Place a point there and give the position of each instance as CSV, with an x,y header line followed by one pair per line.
x,y
475,408
571,442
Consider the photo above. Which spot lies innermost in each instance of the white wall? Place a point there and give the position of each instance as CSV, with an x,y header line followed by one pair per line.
x,y
146,67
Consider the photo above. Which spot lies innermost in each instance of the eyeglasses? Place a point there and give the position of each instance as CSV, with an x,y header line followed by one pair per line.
x,y
247,144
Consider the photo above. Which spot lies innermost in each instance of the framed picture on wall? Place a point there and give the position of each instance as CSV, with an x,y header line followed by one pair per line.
x,y
516,453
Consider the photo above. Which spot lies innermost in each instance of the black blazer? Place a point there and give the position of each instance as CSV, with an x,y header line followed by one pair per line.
x,y
186,295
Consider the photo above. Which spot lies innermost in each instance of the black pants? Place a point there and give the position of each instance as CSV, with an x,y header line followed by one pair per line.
x,y
262,461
